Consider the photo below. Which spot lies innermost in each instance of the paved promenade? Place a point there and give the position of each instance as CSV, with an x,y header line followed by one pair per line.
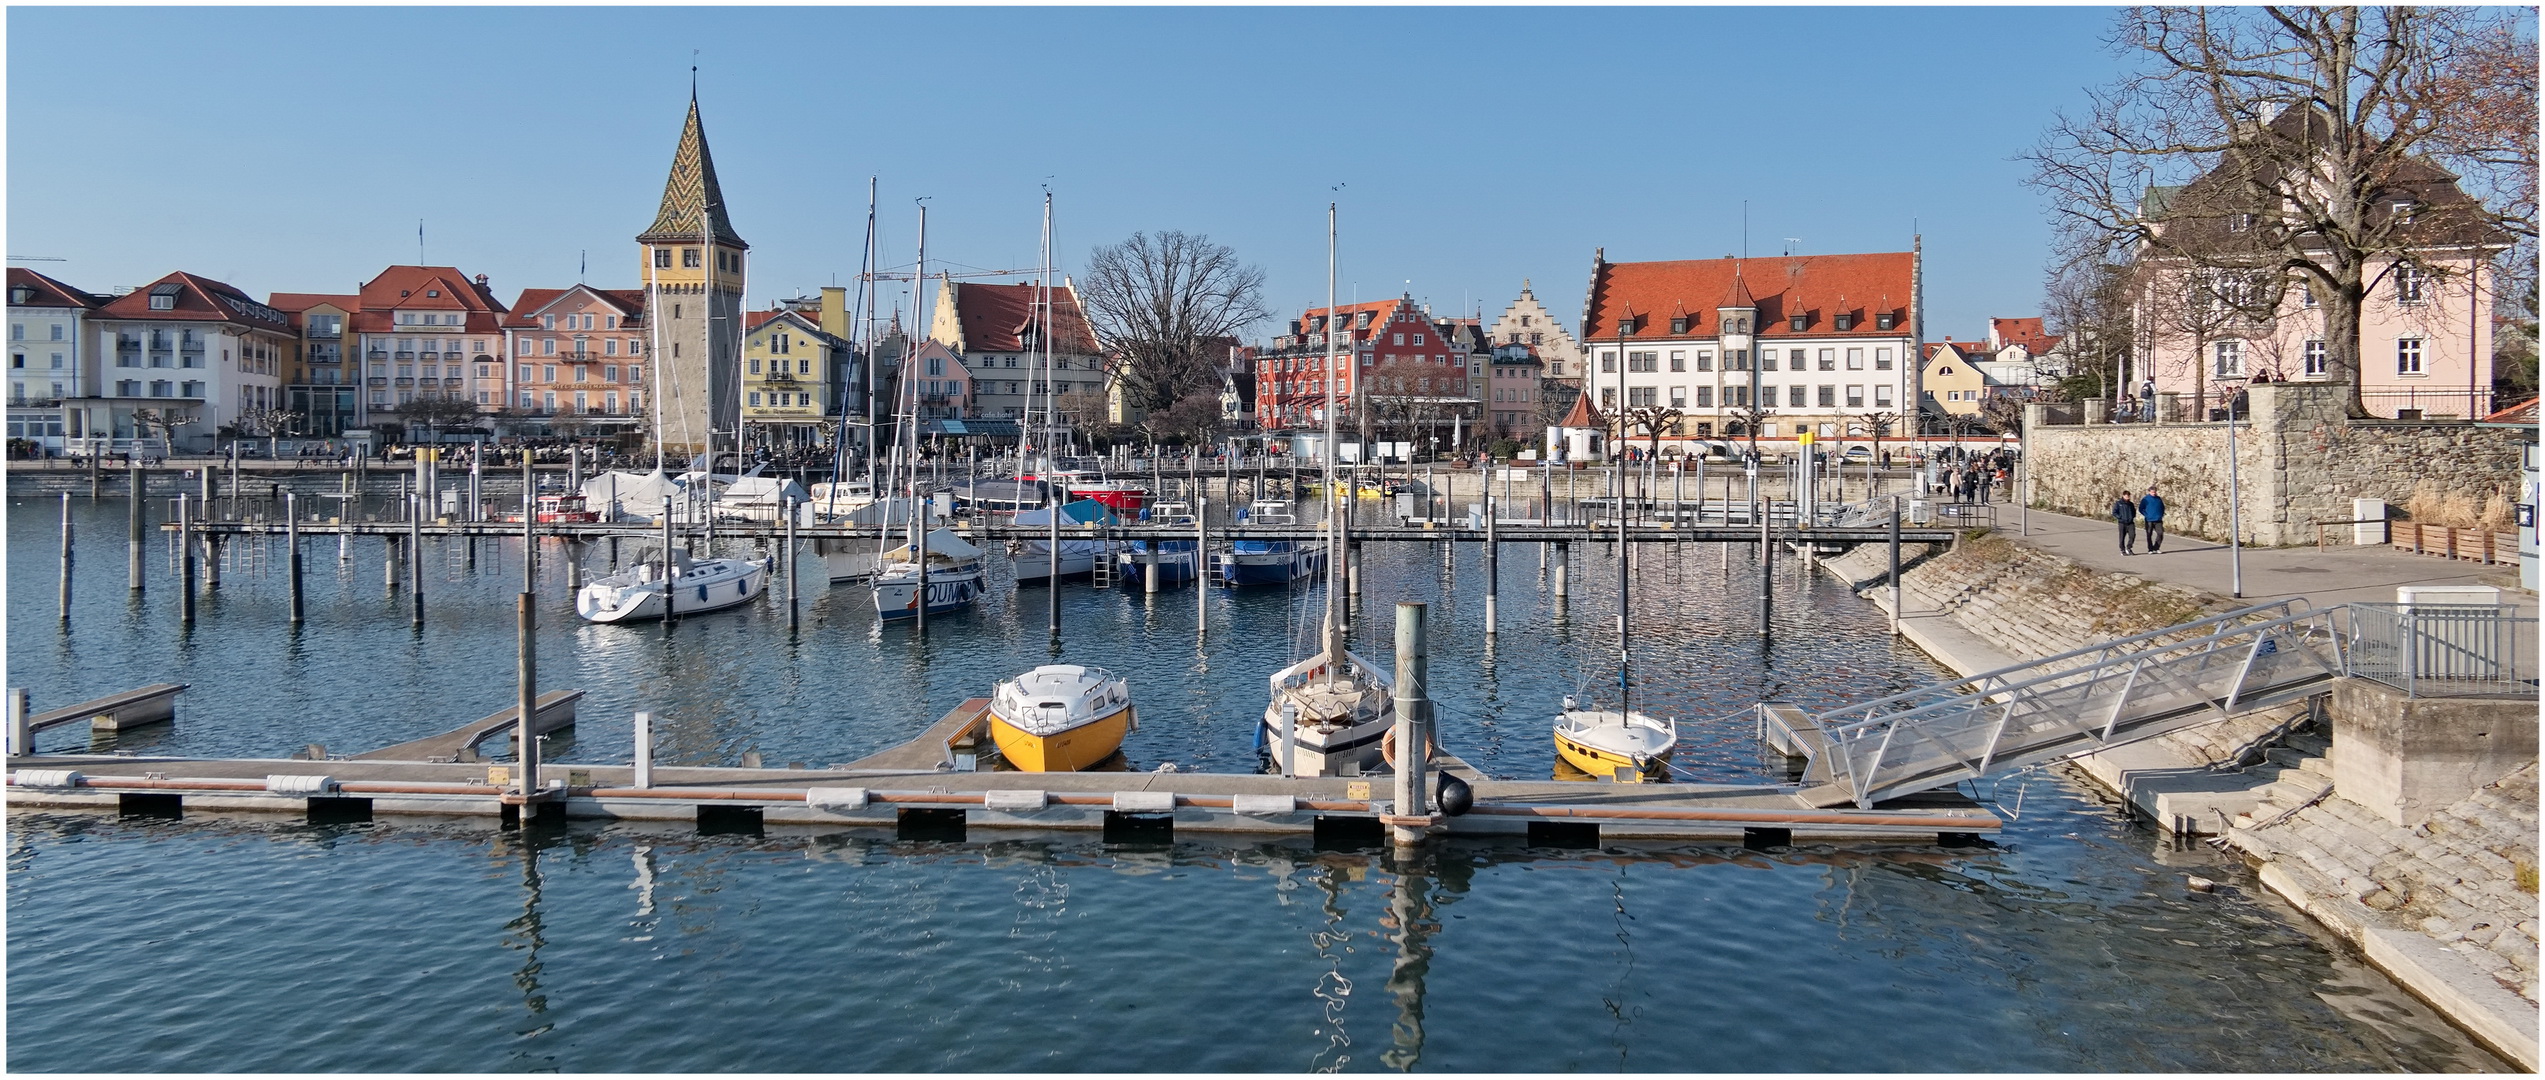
x,y
2326,576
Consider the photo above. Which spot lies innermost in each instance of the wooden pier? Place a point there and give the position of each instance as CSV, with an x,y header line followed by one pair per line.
x,y
917,789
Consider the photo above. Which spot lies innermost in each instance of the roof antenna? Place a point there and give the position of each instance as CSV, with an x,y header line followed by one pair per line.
x,y
419,241
1790,241
582,265
693,76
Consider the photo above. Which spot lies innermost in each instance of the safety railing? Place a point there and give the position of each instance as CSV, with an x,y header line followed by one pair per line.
x,y
2088,699
2445,650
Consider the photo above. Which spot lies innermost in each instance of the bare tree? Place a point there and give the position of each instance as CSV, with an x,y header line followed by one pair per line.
x,y
1878,424
272,424
1654,420
2087,302
1166,306
2200,308
2003,414
436,413
162,424
2313,143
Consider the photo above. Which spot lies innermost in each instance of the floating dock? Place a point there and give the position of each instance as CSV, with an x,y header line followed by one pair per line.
x,y
918,789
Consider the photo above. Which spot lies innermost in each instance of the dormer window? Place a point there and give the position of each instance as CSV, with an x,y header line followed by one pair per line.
x,y
164,297
1799,322
1846,320
1885,320
2239,222
432,292
1679,325
2403,211
20,295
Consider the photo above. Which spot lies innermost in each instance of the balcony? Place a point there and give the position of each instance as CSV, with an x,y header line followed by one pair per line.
x,y
402,355
405,381
454,383
378,354
321,333
379,380
579,357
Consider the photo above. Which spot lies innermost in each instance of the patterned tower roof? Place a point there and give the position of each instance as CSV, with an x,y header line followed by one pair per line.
x,y
691,184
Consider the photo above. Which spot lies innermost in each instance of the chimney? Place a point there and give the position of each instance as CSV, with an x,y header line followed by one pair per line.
x,y
481,280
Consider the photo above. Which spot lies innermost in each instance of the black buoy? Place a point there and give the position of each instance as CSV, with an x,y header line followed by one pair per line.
x,y
1454,797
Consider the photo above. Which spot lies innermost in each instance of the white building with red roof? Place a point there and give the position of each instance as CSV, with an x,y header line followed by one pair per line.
x,y
52,357
1757,349
189,349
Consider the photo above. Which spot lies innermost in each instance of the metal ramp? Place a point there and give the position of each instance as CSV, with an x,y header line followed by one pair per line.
x,y
2077,702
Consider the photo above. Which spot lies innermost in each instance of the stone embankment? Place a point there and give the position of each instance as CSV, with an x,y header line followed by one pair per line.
x,y
2444,900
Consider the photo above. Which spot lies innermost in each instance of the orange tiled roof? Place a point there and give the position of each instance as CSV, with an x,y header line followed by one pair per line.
x,y
995,317
196,298
1818,286
49,292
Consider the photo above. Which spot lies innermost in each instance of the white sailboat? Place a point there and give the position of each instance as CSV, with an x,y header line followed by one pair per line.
x,y
1328,714
659,588
1078,554
951,577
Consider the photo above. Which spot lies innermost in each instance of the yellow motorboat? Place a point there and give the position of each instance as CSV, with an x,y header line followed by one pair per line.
x,y
1061,717
1630,747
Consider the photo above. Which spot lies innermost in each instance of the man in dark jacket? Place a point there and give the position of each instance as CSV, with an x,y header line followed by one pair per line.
x,y
2152,511
2126,512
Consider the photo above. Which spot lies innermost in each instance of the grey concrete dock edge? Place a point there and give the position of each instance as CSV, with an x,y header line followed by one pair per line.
x,y
2164,784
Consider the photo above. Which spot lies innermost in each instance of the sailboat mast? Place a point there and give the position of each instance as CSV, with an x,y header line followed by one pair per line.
x,y
1334,509
866,337
1624,691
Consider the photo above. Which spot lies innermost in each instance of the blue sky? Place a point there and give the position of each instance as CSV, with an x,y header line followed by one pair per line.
x,y
294,149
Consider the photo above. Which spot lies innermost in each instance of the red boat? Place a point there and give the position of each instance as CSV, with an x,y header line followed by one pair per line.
x,y
562,510
1122,496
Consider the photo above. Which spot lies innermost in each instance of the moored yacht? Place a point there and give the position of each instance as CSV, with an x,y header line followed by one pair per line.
x,y
1269,562
954,577
1628,747
656,588
1061,717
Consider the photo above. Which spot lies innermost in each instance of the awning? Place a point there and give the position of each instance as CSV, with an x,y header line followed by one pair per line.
x,y
996,429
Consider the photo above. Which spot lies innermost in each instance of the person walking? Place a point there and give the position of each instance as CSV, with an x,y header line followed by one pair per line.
x,y
2152,511
2126,512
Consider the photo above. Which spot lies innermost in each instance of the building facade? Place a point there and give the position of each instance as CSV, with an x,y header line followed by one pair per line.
x,y
187,359
1516,391
1757,349
797,365
52,360
1393,361
1526,322
424,334
580,363
999,333
692,265
322,377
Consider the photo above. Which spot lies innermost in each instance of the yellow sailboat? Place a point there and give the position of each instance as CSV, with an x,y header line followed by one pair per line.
x,y
1628,747
1061,717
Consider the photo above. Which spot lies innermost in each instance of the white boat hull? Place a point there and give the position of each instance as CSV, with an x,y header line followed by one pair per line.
x,y
949,590
1077,558
710,585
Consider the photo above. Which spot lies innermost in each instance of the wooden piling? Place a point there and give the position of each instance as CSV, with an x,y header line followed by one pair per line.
x,y
66,555
291,555
415,562
137,524
185,559
96,469
1413,721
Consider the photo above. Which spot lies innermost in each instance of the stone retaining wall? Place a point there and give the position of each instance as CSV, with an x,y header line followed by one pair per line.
x,y
2299,460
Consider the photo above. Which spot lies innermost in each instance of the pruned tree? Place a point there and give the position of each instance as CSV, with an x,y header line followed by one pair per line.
x,y
161,424
1654,421
1878,424
271,424
2003,414
2313,144
1166,306
1192,420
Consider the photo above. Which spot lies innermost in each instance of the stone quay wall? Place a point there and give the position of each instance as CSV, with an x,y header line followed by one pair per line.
x,y
2299,460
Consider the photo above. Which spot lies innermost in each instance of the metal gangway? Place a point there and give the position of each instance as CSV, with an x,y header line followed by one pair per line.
x,y
2077,702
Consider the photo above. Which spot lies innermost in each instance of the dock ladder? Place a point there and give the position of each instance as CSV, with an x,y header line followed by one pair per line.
x,y
2082,701
1104,568
1215,568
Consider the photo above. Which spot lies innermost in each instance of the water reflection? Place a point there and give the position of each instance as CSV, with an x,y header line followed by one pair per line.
x,y
2049,952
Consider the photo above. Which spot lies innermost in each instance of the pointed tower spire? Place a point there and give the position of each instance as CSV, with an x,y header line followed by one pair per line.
x,y
692,183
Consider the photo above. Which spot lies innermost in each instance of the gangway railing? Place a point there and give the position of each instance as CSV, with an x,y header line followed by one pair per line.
x,y
2081,701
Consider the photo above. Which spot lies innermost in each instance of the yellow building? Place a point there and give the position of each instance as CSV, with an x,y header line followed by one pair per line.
x,y
1953,381
796,368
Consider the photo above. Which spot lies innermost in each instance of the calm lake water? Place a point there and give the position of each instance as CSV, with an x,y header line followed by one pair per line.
x,y
406,944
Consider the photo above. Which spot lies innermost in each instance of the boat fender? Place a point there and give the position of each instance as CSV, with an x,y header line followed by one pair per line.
x,y
46,778
1455,797
291,784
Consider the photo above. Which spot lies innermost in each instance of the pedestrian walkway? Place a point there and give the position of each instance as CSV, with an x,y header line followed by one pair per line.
x,y
2326,576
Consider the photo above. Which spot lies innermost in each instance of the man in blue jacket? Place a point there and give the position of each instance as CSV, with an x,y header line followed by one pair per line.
x,y
2152,511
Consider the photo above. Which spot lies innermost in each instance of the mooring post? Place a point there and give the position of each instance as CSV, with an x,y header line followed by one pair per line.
x,y
137,524
1563,561
644,750
1493,554
96,468
66,556
185,552
1413,716
1201,556
476,489
788,560
1054,554
291,555
389,562
526,618
21,733
1895,567
1767,567
415,562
